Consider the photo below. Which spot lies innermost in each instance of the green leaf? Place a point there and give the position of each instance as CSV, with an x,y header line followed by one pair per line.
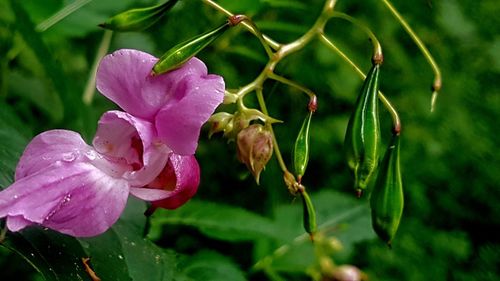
x,y
26,27
211,266
55,256
344,217
12,143
217,221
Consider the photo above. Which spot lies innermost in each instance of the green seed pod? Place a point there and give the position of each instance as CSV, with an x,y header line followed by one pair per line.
x,y
362,137
181,53
387,196
138,19
301,149
309,213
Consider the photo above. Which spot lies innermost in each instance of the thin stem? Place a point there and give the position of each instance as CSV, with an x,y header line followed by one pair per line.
x,y
262,104
394,114
317,28
323,229
436,86
261,37
61,14
377,47
89,91
270,42
3,233
291,83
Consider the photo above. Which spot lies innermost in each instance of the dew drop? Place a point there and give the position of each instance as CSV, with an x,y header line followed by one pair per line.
x,y
120,257
68,157
91,155
66,198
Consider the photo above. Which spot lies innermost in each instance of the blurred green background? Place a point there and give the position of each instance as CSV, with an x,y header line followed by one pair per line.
x,y
451,224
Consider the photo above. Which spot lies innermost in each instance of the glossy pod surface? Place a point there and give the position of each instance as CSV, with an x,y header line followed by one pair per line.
x,y
301,148
138,19
362,137
387,199
181,53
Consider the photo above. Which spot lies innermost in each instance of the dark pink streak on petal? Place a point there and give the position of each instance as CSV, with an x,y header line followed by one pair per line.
x,y
181,176
125,138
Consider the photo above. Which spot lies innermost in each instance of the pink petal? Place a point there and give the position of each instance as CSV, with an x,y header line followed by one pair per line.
x,y
179,122
181,176
16,223
73,198
121,77
148,194
49,147
127,139
124,77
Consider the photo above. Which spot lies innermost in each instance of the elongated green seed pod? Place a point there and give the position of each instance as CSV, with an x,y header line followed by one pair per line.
x,y
180,53
362,139
301,149
387,198
138,19
309,215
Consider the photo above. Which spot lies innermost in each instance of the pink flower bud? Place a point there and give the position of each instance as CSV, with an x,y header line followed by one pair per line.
x,y
254,148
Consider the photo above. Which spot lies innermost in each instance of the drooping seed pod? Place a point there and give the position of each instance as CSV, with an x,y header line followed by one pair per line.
x,y
387,199
181,53
254,148
301,148
138,19
362,139
309,214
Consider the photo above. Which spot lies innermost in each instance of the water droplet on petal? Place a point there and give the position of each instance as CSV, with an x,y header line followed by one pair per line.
x,y
68,157
91,155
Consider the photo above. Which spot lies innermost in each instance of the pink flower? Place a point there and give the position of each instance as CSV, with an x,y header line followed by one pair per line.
x,y
177,103
66,185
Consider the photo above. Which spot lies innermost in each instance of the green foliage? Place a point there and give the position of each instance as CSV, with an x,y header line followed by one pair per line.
x,y
235,230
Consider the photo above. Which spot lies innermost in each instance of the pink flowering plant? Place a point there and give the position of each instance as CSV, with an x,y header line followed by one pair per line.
x,y
147,151
104,189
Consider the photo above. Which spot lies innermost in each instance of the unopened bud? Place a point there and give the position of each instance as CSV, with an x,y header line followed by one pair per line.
x,y
176,56
138,19
220,122
254,148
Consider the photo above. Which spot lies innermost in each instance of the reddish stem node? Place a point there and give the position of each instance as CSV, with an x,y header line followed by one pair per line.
x,y
236,19
313,104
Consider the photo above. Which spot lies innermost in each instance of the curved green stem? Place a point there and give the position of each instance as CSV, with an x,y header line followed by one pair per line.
x,y
279,157
378,56
317,28
436,86
261,37
270,42
88,93
291,83
61,14
394,114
